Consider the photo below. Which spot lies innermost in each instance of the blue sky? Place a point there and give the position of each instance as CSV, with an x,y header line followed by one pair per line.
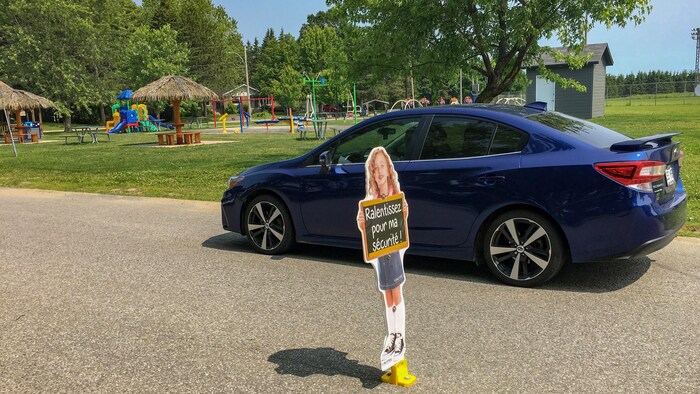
x,y
662,42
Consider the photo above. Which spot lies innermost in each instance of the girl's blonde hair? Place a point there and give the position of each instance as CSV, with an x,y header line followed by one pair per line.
x,y
371,185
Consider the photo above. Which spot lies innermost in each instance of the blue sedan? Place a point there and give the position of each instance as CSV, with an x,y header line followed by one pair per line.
x,y
520,189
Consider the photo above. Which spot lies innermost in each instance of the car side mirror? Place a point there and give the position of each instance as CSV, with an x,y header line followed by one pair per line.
x,y
325,160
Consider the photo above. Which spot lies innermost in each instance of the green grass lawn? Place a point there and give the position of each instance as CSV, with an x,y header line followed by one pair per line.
x,y
127,166
650,100
638,121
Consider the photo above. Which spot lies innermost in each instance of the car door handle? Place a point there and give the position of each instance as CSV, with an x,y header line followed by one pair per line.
x,y
490,180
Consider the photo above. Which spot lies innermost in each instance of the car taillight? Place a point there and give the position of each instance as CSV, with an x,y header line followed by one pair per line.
x,y
637,175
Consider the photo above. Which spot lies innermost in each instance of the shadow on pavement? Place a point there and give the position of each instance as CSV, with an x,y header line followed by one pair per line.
x,y
594,277
324,361
599,277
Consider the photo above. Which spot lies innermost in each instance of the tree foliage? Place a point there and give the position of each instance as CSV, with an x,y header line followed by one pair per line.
x,y
275,54
144,55
50,53
215,46
81,53
495,38
288,88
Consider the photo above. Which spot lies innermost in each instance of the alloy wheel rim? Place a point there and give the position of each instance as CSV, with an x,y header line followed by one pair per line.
x,y
266,225
520,249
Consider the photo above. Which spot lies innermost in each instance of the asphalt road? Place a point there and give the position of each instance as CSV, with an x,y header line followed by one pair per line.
x,y
125,294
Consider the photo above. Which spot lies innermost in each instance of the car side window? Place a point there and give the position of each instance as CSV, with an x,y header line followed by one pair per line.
x,y
394,135
507,140
450,137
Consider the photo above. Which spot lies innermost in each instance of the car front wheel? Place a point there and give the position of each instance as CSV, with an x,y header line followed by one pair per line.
x,y
522,248
268,225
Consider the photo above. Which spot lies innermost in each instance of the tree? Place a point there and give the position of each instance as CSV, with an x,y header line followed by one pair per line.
x,y
495,38
275,54
161,12
288,89
144,61
265,63
323,54
114,21
214,43
51,53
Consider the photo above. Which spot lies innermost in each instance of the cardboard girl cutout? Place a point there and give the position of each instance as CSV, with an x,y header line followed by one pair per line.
x,y
382,220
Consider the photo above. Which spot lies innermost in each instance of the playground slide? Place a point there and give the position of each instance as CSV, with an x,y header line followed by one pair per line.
x,y
118,127
159,123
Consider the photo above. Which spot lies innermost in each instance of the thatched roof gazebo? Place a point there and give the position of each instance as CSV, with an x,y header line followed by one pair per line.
x,y
4,88
17,100
174,88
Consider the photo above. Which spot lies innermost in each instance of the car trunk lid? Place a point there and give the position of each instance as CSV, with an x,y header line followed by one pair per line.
x,y
659,148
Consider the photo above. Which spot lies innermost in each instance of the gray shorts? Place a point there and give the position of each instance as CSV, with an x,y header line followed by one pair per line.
x,y
390,271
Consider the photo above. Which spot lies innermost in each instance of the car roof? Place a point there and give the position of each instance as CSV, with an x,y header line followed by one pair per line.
x,y
469,109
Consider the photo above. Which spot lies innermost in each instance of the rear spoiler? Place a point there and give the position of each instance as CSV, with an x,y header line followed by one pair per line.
x,y
639,143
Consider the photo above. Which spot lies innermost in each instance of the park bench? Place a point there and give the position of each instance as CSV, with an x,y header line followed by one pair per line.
x,y
164,138
96,137
21,136
193,137
190,137
78,138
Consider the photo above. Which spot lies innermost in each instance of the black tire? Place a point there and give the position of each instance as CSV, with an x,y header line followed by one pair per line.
x,y
522,248
268,225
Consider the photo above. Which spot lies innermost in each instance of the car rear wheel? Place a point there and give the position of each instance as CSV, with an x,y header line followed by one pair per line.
x,y
268,225
522,248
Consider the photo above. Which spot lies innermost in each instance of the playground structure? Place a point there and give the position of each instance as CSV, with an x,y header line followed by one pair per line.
x,y
371,105
222,119
406,104
240,102
511,101
128,118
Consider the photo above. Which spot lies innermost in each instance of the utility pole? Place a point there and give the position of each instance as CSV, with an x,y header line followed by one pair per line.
x,y
247,81
695,35
244,59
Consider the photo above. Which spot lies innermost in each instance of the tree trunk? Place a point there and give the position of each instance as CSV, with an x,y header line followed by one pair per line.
x,y
487,95
103,116
67,123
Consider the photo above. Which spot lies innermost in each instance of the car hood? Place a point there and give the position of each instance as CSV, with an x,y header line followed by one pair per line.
x,y
268,166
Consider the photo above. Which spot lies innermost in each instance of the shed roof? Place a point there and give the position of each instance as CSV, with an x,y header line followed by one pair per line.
x,y
599,53
240,89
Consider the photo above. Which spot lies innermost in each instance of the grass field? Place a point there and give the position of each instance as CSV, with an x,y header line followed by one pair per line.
x,y
651,100
129,166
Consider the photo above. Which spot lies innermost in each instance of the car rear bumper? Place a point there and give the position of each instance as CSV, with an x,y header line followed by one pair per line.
x,y
638,230
644,249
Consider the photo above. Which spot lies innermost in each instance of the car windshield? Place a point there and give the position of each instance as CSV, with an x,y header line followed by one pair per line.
x,y
588,132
